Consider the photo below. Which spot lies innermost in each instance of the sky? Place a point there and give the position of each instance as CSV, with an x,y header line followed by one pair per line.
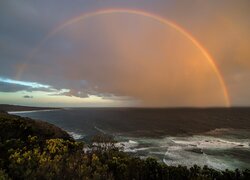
x,y
133,53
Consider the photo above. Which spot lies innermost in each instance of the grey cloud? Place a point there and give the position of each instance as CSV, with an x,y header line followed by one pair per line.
x,y
7,87
28,97
72,93
10,87
122,98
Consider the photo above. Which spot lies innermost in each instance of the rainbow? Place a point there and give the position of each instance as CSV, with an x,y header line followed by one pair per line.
x,y
157,18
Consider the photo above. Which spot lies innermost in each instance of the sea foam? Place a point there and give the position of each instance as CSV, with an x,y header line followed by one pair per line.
x,y
75,135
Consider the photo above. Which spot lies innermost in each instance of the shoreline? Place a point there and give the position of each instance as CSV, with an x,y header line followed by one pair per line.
x,y
32,111
16,109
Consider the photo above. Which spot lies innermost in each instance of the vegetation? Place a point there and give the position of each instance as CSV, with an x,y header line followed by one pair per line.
x,y
37,150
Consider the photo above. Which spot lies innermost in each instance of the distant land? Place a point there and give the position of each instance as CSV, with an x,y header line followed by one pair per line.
x,y
8,108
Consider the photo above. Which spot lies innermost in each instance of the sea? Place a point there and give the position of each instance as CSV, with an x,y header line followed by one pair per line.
x,y
216,137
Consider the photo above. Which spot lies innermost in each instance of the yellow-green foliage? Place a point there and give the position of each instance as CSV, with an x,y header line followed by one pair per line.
x,y
3,175
49,160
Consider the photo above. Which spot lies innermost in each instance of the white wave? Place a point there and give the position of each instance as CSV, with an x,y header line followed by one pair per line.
x,y
178,155
157,153
144,148
218,164
188,150
218,131
205,142
132,142
32,111
100,130
75,136
127,146
130,150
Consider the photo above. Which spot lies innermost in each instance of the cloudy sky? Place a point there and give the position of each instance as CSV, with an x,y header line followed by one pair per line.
x,y
122,58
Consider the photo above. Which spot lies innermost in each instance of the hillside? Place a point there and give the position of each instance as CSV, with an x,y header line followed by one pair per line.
x,y
12,127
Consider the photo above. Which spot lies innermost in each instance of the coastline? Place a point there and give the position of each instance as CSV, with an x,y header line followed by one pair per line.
x,y
16,109
32,111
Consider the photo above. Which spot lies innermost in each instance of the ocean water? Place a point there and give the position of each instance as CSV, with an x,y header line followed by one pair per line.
x,y
219,138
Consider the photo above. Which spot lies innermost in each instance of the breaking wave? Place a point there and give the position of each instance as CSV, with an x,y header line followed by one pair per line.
x,y
75,135
202,150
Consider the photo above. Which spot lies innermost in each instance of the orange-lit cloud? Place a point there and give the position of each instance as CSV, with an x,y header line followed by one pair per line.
x,y
139,57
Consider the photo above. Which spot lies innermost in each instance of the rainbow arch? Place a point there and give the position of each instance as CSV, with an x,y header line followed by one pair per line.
x,y
157,18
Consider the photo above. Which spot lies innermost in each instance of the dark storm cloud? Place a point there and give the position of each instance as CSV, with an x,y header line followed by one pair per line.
x,y
7,87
